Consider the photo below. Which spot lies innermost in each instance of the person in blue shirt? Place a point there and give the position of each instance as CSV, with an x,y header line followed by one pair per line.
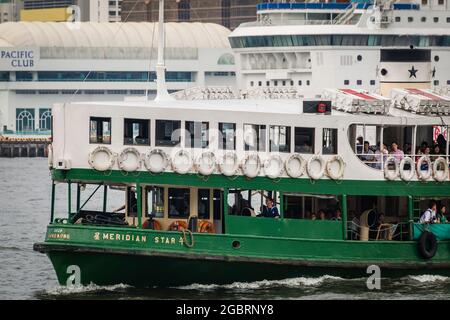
x,y
270,211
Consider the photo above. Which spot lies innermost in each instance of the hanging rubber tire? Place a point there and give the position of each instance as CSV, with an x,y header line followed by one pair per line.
x,y
440,175
388,173
427,245
403,172
295,166
330,172
315,174
424,175
129,160
273,167
156,161
102,159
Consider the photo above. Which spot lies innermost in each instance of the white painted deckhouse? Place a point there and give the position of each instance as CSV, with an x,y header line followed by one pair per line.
x,y
309,46
45,63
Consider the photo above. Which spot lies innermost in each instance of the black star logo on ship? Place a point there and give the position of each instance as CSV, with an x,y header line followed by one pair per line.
x,y
412,72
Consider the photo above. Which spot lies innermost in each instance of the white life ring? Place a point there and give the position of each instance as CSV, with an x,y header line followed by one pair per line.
x,y
50,156
273,166
129,160
391,174
407,175
312,172
440,175
424,175
182,162
102,159
295,166
206,163
156,161
229,165
333,174
251,165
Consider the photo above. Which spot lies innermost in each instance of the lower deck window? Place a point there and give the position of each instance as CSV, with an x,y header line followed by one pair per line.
x,y
204,204
179,203
155,202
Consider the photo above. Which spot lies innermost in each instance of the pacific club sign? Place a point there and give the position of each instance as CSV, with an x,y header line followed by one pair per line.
x,y
23,58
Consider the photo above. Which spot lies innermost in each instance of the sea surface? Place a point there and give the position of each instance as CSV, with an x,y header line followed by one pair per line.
x,y
25,193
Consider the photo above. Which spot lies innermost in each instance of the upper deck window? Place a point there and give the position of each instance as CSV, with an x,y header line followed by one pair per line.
x,y
304,140
167,133
100,130
330,141
254,137
227,140
197,134
136,132
280,139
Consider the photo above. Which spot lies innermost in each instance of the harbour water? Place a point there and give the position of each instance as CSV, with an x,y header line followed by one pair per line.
x,y
25,189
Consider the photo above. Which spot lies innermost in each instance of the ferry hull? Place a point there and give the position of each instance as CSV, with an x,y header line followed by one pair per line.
x,y
212,260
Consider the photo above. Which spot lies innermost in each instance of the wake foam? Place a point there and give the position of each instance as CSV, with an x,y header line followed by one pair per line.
x,y
264,284
91,288
429,278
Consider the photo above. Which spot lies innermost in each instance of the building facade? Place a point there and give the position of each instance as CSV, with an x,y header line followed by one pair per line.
x,y
69,10
101,62
229,13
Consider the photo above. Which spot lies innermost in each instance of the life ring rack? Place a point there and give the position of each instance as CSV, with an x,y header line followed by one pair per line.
x,y
295,171
309,168
207,167
246,162
424,175
388,173
403,174
340,173
440,177
156,166
123,157
273,166
107,165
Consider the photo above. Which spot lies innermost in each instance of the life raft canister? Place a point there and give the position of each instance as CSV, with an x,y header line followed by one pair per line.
x,y
427,245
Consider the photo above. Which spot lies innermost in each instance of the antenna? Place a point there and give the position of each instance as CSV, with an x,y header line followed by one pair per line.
x,y
161,88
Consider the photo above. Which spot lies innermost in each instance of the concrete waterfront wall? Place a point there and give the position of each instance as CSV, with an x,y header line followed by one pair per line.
x,y
24,149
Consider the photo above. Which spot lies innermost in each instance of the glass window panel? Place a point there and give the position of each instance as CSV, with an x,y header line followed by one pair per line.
x,y
155,202
304,140
329,145
280,139
227,141
136,132
203,204
100,130
197,134
179,203
167,133
254,137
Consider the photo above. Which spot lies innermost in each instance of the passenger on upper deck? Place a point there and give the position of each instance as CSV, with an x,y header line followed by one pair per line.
x,y
429,216
367,155
380,156
270,211
359,145
396,152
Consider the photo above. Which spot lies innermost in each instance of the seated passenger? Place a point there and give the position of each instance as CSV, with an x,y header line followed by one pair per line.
x,y
270,211
313,216
440,217
359,145
322,215
337,215
367,155
396,152
429,216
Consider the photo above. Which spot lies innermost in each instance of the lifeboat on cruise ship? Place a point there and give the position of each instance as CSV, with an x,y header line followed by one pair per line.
x,y
315,167
156,161
273,166
129,160
229,165
102,159
206,163
295,166
182,162
251,165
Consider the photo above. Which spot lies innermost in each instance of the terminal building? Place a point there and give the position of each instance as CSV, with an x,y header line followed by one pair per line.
x,y
43,63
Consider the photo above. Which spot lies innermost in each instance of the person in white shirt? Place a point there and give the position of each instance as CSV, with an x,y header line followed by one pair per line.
x,y
429,216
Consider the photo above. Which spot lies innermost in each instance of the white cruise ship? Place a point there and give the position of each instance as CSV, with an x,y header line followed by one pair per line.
x,y
374,46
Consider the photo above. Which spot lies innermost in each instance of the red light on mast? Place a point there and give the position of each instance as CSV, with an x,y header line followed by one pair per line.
x,y
321,108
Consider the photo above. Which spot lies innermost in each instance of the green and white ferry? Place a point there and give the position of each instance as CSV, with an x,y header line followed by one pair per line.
x,y
196,171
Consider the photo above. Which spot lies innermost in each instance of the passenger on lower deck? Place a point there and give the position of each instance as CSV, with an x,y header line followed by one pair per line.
x,y
440,217
429,216
270,211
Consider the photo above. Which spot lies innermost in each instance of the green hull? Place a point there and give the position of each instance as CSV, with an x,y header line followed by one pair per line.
x,y
107,256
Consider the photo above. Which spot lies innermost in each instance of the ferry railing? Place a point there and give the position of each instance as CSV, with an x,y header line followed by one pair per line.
x,y
378,160
398,231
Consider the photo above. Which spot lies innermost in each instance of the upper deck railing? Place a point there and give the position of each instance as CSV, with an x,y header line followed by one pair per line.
x,y
329,6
